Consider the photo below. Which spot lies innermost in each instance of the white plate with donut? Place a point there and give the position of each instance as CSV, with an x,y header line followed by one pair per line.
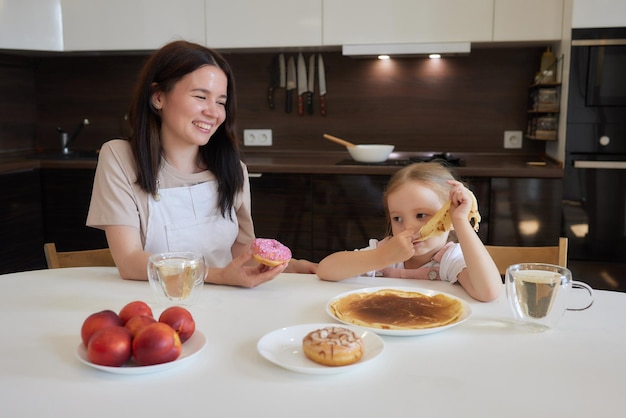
x,y
283,347
464,315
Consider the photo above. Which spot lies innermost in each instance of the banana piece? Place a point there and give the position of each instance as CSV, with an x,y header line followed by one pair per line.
x,y
442,222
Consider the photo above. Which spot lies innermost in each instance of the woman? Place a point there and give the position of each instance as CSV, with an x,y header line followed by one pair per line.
x,y
179,184
413,195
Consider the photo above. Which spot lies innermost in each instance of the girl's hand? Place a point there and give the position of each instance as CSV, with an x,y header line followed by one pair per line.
x,y
460,201
301,266
399,247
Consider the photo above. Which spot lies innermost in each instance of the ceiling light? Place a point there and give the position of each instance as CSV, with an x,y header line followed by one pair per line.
x,y
383,57
434,56
374,50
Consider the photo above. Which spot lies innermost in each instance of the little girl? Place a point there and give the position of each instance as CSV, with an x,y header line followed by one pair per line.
x,y
413,195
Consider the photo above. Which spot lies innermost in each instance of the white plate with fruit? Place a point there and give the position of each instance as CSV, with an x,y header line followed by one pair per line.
x,y
194,345
134,341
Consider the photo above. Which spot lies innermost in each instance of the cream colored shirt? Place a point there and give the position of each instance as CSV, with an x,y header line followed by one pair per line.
x,y
117,199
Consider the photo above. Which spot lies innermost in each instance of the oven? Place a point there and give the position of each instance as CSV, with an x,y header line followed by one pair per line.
x,y
594,186
594,208
599,59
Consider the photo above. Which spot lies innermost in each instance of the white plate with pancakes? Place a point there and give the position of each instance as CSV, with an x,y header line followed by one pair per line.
x,y
399,311
283,347
194,345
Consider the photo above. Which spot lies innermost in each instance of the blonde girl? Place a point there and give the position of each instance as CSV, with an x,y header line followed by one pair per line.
x,y
413,195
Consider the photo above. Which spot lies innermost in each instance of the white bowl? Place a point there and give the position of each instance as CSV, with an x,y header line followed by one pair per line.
x,y
370,153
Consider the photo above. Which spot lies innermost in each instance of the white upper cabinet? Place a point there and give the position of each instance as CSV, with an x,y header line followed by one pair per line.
x,y
402,21
599,13
266,23
31,25
527,20
109,25
101,25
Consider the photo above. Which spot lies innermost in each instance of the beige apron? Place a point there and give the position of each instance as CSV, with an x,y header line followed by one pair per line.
x,y
188,219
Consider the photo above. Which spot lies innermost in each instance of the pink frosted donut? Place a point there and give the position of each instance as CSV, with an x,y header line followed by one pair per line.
x,y
270,252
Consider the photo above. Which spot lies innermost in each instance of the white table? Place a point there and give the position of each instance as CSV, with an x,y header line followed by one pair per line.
x,y
484,367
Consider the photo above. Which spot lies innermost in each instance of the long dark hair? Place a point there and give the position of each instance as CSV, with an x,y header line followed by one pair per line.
x,y
221,154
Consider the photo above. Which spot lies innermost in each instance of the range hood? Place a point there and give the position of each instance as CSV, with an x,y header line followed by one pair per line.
x,y
408,49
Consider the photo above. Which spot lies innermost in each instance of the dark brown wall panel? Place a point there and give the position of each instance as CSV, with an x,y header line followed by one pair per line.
x,y
459,103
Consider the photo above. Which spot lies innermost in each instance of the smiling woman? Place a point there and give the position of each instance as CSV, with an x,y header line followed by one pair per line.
x,y
178,183
191,112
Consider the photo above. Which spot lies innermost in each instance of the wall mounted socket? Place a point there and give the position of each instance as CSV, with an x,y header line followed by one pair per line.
x,y
257,137
513,139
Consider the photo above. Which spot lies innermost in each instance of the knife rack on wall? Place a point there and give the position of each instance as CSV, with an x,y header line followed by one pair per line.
x,y
301,77
463,106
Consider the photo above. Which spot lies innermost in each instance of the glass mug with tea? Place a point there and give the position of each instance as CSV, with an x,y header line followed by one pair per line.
x,y
176,277
539,294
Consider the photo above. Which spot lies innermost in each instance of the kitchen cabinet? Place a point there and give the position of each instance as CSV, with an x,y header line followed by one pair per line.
x,y
31,25
66,194
118,25
528,20
598,14
282,210
268,23
315,215
21,222
347,212
525,211
401,21
96,25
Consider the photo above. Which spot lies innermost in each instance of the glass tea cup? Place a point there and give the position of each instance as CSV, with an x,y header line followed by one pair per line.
x,y
539,294
176,277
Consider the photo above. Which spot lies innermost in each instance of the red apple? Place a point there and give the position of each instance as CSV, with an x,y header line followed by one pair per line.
x,y
155,344
97,321
136,323
181,320
110,346
134,308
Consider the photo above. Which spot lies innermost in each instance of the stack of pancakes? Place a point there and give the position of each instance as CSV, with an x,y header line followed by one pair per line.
x,y
397,309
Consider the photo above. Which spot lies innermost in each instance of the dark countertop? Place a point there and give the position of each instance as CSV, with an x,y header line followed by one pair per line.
x,y
475,164
23,163
311,162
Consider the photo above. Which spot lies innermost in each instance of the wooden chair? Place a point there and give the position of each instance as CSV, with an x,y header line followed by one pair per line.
x,y
87,258
505,256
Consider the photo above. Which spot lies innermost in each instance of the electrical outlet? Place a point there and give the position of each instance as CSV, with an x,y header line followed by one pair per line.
x,y
257,137
513,139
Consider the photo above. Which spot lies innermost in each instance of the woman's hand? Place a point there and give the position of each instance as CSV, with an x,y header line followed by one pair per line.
x,y
238,273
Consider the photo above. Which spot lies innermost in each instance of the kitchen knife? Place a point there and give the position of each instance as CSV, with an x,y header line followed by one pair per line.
x,y
291,83
302,83
274,82
321,72
311,87
281,71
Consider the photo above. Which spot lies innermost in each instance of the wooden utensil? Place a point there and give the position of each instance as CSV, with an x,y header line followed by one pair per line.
x,y
340,141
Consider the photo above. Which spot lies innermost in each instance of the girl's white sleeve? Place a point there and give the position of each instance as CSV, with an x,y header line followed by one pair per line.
x,y
452,263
